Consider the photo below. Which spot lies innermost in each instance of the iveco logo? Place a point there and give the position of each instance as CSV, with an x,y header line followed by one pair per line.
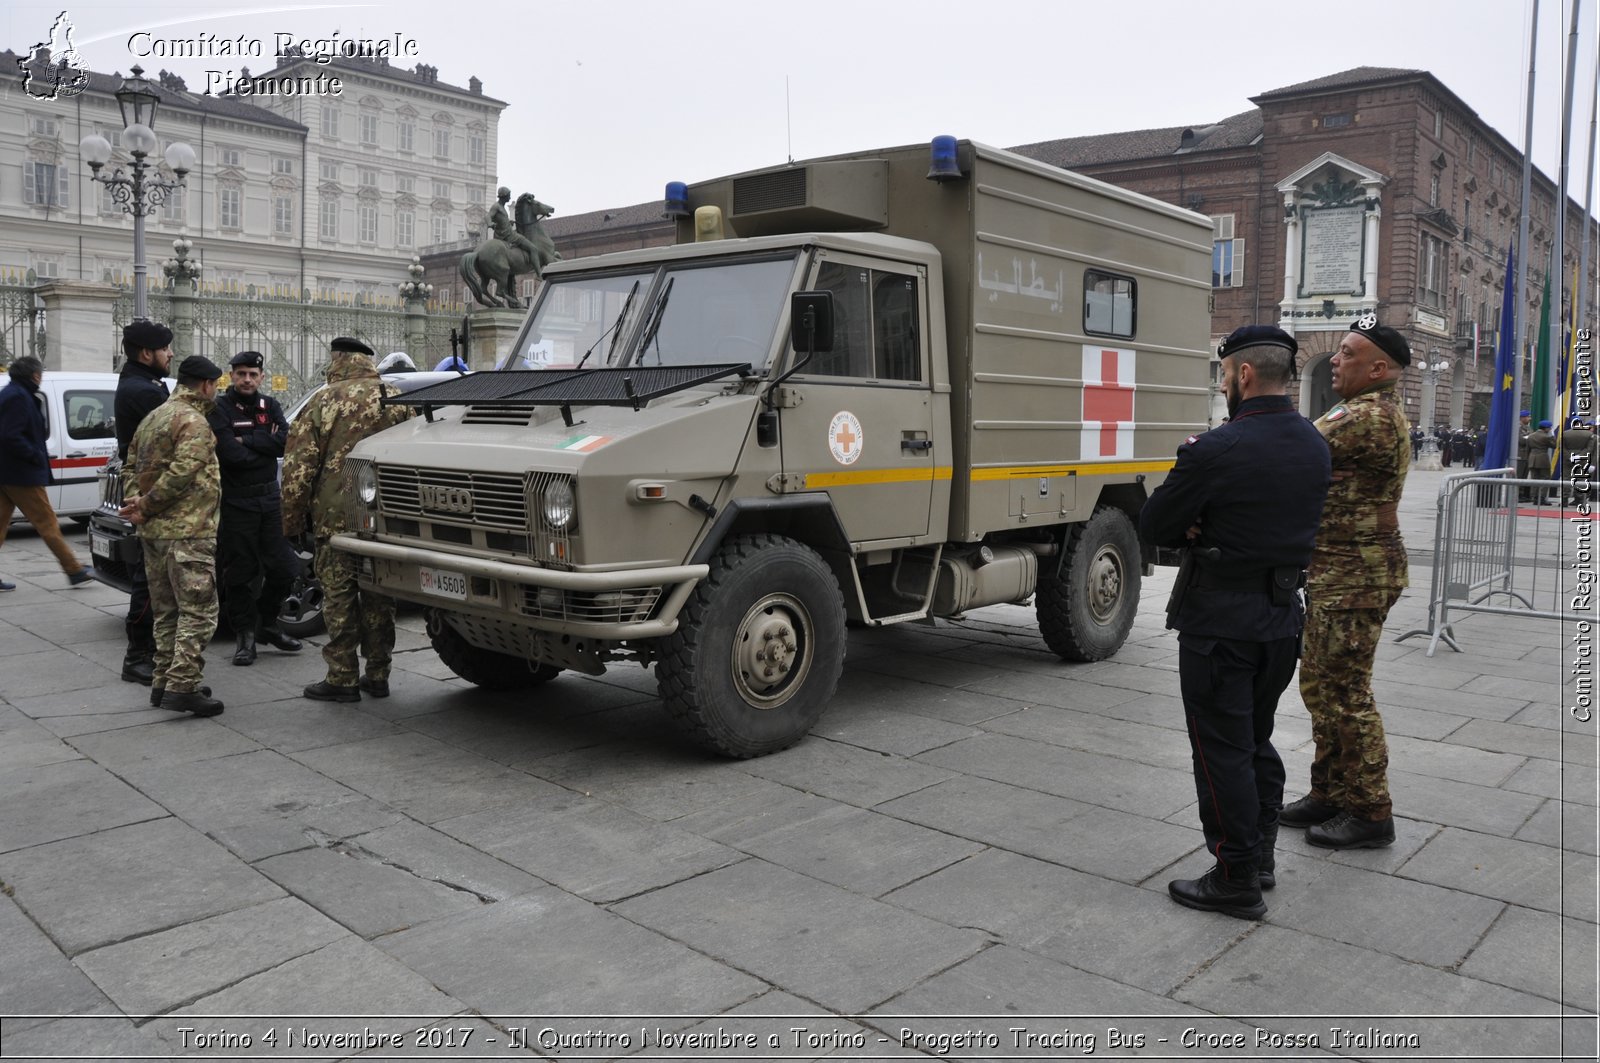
x,y
446,499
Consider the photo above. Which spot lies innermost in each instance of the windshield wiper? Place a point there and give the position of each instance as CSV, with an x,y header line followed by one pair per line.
x,y
614,329
654,327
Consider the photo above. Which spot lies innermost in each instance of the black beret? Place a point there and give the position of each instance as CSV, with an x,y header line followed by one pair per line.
x,y
198,367
248,360
1256,336
146,335
1383,337
347,343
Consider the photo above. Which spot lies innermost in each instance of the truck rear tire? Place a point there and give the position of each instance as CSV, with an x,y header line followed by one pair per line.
x,y
759,648
483,668
1086,612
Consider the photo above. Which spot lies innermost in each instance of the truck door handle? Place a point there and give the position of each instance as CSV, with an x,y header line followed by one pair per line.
x,y
79,454
916,444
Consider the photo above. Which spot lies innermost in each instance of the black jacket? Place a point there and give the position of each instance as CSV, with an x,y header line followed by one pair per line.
x,y
24,459
250,436
1255,486
139,391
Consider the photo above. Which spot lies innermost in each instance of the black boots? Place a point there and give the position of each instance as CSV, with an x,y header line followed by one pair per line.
x,y
1267,857
1345,831
326,691
1238,895
198,702
278,640
245,650
1306,812
139,663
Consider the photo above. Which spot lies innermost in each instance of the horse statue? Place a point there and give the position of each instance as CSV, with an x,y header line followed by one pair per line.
x,y
500,259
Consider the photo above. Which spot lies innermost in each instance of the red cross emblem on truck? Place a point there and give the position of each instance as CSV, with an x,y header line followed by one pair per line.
x,y
1108,386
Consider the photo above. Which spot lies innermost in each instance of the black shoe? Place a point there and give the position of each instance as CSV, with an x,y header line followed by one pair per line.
x,y
1307,812
1267,857
245,650
158,692
1211,892
326,691
7,586
278,640
1345,831
80,577
199,702
138,667
378,688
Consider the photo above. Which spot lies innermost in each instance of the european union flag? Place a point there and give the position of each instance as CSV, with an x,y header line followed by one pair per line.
x,y
1497,454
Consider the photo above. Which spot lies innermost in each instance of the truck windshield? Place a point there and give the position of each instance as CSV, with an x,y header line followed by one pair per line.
x,y
723,312
577,313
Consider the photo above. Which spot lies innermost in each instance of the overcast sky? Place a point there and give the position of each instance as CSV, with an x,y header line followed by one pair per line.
x,y
610,100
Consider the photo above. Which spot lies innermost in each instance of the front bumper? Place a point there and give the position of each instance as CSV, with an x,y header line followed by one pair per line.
x,y
631,604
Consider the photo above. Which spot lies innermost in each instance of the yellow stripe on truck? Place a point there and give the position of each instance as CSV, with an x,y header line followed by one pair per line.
x,y
1004,472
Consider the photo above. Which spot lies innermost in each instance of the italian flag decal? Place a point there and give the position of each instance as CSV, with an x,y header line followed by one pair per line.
x,y
584,444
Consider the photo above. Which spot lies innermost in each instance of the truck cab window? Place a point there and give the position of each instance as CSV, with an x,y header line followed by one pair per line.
x,y
875,330
89,414
1110,304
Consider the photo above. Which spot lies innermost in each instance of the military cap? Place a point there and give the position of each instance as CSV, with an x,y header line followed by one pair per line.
x,y
1524,413
198,367
347,343
146,335
1256,336
1383,337
1544,424
247,360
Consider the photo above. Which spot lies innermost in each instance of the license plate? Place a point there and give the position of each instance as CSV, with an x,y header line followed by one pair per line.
x,y
100,546
443,584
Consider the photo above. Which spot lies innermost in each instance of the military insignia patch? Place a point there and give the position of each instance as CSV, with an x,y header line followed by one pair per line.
x,y
1191,441
1337,412
1367,321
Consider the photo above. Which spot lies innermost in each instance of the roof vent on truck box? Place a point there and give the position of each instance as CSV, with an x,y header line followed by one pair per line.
x,y
821,196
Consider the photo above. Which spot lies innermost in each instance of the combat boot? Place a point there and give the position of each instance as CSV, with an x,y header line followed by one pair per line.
x,y
1307,812
139,663
158,691
326,691
1267,857
1238,895
199,702
278,640
1345,831
245,650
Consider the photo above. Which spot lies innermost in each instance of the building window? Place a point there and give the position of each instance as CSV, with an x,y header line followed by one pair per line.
x,y
228,207
1110,304
475,194
369,177
369,130
475,149
42,126
441,190
328,170
108,202
441,228
367,223
330,120
44,184
405,184
1433,191
328,219
282,215
1227,254
46,266
229,157
175,211
1431,272
1438,124
1335,121
283,166
441,143
405,224
406,134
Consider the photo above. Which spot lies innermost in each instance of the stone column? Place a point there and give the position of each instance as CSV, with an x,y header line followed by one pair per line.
x,y
80,324
183,273
1291,259
1369,264
494,332
414,294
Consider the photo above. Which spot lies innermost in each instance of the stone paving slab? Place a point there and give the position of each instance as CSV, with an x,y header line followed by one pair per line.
x,y
1162,747
368,896
1523,873
36,979
231,791
1539,953
1457,804
821,942
888,693
293,827
158,972
1565,825
662,783
846,773
899,734
65,799
294,725
102,888
430,854
176,740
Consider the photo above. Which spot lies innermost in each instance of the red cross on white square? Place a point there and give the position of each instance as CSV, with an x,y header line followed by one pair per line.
x,y
1108,387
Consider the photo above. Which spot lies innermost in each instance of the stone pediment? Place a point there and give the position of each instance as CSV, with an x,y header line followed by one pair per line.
x,y
1301,181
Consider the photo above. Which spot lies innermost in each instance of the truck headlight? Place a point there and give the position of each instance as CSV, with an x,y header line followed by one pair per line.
x,y
367,484
559,504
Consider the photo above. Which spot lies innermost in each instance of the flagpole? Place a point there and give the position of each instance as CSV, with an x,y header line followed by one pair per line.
x,y
1520,305
1581,313
1558,250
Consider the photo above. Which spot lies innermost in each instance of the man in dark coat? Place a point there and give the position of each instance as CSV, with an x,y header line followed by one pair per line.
x,y
25,467
147,354
1245,498
251,430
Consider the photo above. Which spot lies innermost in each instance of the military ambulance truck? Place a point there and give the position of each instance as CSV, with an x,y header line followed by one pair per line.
x,y
693,461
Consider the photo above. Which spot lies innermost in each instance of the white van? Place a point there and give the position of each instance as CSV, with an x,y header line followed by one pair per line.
x,y
79,413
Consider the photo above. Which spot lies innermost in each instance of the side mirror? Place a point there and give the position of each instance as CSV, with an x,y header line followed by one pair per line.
x,y
811,321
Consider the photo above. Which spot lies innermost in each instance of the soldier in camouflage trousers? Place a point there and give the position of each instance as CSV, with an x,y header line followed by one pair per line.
x,y
1357,573
173,456
316,497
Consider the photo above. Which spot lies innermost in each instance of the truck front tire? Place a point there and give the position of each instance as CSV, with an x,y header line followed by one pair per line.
x,y
1086,612
483,668
759,648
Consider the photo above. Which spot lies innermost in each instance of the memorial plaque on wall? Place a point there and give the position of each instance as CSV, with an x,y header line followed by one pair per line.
x,y
1330,262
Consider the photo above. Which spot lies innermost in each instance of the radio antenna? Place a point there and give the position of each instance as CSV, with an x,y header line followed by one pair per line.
x,y
788,119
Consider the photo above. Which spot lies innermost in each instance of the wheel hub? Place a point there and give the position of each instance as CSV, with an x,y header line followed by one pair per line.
x,y
771,650
1105,583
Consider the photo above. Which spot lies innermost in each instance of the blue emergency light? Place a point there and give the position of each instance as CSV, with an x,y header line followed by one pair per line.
x,y
677,199
943,163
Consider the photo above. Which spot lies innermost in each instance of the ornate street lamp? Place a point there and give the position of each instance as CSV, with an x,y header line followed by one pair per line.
x,y
1431,368
414,288
138,193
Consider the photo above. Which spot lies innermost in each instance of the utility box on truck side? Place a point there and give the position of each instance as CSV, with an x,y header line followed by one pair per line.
x,y
679,467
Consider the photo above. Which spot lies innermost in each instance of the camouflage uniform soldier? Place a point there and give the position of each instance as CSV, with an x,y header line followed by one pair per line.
x,y
173,456
1357,573
315,495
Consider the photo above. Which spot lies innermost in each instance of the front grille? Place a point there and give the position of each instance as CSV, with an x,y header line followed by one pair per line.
x,y
498,500
628,605
111,486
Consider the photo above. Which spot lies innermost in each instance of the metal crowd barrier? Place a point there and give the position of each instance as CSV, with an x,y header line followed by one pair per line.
x,y
1490,558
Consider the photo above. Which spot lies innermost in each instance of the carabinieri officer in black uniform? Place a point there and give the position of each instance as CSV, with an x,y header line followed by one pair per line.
x,y
1245,499
251,430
